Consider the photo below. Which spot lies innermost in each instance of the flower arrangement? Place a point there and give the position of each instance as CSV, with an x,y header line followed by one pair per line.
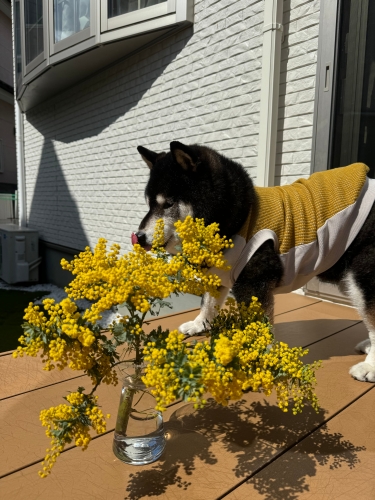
x,y
240,353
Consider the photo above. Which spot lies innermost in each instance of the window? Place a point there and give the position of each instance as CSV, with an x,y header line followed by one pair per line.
x,y
32,21
70,17
121,13
119,7
34,44
71,23
17,41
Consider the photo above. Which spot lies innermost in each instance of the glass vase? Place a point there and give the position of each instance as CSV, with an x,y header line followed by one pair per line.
x,y
139,434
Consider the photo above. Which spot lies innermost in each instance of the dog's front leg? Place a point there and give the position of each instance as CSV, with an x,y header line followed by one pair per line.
x,y
355,284
365,370
208,312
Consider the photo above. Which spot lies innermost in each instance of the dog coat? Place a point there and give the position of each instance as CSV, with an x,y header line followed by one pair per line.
x,y
311,223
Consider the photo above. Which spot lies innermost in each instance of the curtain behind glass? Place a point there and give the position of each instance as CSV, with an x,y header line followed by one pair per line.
x,y
118,7
33,29
70,16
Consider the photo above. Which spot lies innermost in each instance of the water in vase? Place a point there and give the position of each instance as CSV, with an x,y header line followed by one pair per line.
x,y
143,448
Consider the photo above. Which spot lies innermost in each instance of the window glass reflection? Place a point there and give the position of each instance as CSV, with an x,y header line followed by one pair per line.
x,y
118,7
33,29
71,16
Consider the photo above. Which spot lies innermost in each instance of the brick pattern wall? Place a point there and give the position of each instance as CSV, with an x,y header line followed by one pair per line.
x,y
85,178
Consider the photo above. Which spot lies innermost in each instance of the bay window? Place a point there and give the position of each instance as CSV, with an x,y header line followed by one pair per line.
x,y
65,35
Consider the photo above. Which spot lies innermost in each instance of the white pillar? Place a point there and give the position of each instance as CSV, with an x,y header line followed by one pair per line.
x,y
269,98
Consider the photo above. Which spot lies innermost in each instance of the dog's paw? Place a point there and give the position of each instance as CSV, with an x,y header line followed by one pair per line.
x,y
364,346
193,327
363,372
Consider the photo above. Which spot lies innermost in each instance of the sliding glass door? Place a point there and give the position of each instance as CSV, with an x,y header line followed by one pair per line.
x,y
353,124
344,118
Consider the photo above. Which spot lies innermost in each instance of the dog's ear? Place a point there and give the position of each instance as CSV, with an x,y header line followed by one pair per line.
x,y
184,156
149,157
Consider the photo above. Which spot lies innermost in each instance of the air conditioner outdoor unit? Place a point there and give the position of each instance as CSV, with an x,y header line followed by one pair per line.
x,y
19,254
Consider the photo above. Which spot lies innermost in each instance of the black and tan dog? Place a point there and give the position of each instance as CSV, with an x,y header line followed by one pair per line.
x,y
323,226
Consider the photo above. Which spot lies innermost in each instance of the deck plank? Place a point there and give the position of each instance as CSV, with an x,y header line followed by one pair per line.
x,y
311,324
291,301
26,374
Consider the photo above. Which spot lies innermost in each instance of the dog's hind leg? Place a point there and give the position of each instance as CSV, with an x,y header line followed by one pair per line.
x,y
365,303
208,312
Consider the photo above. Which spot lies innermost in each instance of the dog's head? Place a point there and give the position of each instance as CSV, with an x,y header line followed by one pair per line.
x,y
197,181
170,191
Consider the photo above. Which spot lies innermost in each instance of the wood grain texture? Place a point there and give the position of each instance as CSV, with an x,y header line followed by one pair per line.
x,y
336,461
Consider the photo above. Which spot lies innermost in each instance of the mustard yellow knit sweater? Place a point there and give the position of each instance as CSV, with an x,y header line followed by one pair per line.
x,y
311,223
296,212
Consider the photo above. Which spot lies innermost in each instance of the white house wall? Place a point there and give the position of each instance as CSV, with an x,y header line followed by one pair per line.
x,y
297,90
84,177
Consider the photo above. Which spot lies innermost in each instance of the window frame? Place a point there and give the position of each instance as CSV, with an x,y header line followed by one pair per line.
x,y
43,56
76,38
135,17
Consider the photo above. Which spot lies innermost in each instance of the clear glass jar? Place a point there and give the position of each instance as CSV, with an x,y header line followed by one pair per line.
x,y
139,434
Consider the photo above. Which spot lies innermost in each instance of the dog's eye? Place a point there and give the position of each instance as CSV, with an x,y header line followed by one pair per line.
x,y
168,204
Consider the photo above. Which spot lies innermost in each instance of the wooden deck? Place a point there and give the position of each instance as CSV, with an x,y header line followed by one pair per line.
x,y
247,450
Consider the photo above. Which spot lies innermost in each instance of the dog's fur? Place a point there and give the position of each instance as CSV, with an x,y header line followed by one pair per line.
x,y
196,180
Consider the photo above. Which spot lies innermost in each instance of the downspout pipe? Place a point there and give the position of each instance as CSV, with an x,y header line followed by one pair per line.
x,y
269,97
21,184
18,118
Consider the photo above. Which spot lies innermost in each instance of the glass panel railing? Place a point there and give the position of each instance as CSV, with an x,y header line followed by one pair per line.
x,y
70,17
119,7
33,29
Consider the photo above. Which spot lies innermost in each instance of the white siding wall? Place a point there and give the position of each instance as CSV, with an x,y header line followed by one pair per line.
x,y
297,90
85,178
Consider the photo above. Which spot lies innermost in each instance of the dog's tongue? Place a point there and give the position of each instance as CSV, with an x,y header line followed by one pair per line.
x,y
134,239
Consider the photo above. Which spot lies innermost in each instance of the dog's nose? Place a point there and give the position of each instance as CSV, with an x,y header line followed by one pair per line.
x,y
140,237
